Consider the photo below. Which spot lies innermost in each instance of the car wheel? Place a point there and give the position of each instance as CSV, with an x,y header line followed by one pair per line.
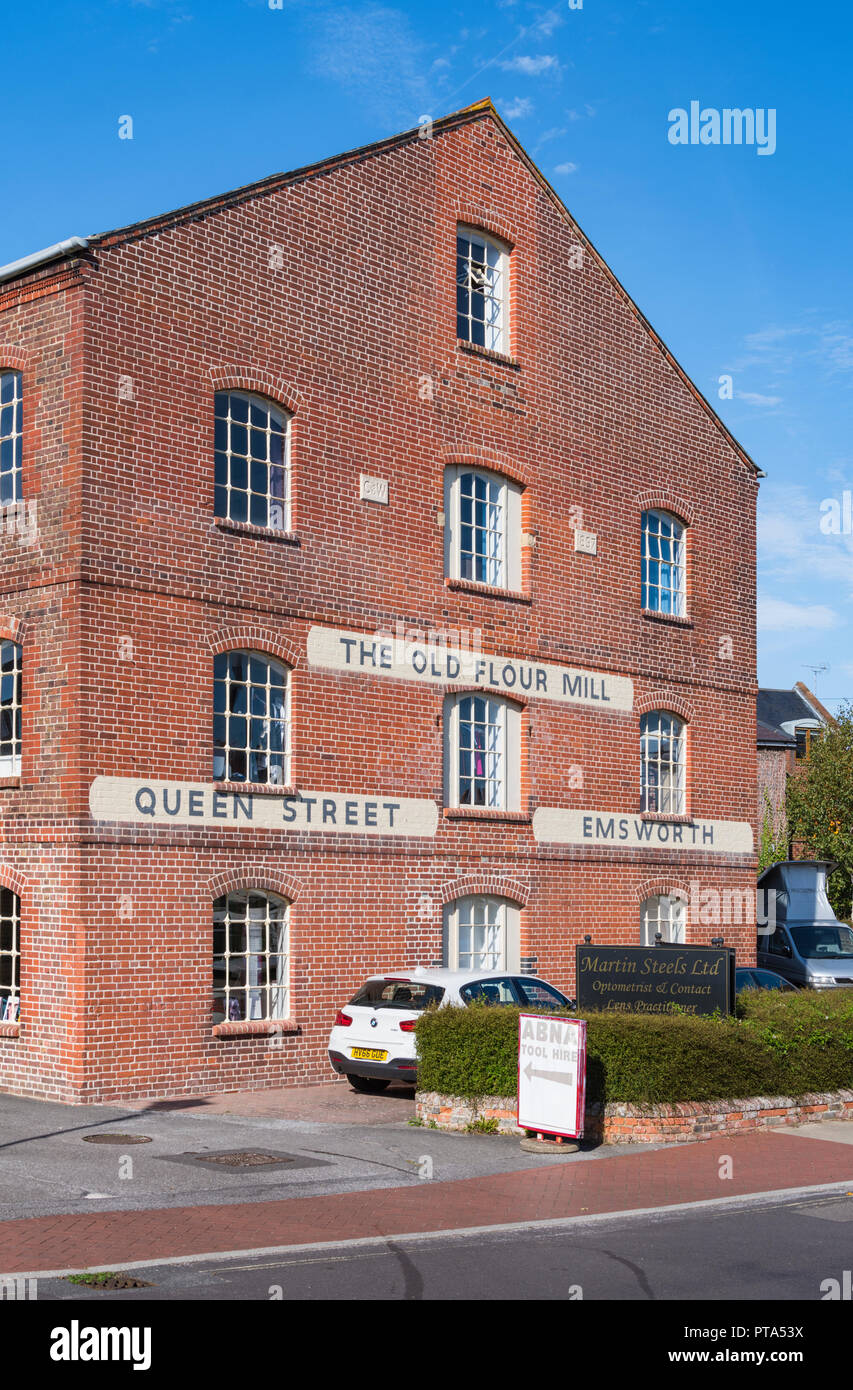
x,y
369,1084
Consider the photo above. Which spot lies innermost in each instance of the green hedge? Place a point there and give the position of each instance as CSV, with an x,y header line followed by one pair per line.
x,y
780,1044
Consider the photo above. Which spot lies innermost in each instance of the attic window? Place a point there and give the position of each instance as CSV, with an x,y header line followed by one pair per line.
x,y
805,736
482,291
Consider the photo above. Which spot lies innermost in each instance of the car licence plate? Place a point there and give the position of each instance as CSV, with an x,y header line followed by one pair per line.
x,y
369,1054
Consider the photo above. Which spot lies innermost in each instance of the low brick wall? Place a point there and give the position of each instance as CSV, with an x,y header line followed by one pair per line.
x,y
620,1123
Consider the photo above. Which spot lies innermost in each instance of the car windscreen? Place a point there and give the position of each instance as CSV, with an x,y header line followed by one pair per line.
x,y
824,942
398,994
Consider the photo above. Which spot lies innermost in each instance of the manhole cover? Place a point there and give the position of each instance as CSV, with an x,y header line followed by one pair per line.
x,y
243,1158
237,1159
116,1139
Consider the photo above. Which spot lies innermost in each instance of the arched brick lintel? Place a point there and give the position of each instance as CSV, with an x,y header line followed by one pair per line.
x,y
492,692
661,499
256,379
283,885
13,629
254,638
12,359
491,885
510,468
482,220
661,888
667,701
11,877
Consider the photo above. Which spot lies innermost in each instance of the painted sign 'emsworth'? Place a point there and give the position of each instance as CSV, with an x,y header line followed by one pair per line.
x,y
188,803
635,832
365,654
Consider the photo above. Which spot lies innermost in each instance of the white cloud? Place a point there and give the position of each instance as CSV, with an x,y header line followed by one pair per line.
x,y
374,54
754,398
549,21
777,615
792,549
517,108
565,168
531,66
553,134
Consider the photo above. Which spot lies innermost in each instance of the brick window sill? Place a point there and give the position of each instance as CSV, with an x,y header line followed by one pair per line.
x,y
263,533
10,1030
484,813
473,586
254,789
670,818
9,782
673,619
254,1027
488,354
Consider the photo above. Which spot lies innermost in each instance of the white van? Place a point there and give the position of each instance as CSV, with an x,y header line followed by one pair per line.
x,y
803,940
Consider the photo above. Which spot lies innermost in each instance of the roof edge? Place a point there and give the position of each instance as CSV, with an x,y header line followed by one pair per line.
x,y
479,110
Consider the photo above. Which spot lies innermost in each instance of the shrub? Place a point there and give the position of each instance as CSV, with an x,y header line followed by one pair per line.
x,y
781,1044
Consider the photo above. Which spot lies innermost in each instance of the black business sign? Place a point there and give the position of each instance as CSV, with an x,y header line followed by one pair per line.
x,y
654,979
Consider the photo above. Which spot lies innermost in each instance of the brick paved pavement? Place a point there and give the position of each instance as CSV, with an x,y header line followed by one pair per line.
x,y
761,1163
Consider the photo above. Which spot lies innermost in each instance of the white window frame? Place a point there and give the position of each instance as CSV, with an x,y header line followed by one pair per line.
x,y
11,711
10,994
665,913
11,433
501,764
670,599
254,1000
490,274
281,777
504,566
663,780
276,509
500,914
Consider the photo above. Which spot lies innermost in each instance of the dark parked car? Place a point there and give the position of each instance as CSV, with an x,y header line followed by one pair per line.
x,y
748,977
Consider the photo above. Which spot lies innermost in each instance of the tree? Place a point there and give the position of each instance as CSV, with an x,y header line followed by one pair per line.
x,y
819,806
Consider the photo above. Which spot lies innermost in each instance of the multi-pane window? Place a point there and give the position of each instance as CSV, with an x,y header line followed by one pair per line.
x,y
11,436
251,719
662,752
805,735
10,955
482,291
252,460
665,914
483,527
482,752
250,957
10,709
663,568
481,933
482,733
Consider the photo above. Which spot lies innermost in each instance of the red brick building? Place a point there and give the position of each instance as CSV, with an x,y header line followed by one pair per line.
x,y
377,590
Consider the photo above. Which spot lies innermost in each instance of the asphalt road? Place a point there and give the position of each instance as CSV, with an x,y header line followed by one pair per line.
x,y
749,1250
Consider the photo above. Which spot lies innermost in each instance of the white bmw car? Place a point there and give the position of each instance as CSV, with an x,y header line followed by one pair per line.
x,y
372,1041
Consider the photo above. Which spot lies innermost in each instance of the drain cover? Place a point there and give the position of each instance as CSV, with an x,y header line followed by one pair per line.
x,y
116,1139
243,1158
236,1159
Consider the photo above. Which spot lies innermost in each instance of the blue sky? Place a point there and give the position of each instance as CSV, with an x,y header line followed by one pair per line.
x,y
741,261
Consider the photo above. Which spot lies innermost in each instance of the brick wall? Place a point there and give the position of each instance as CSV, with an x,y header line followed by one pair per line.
x,y
772,777
133,587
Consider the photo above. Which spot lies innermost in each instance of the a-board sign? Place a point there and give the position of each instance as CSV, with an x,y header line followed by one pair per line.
x,y
551,1074
654,979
